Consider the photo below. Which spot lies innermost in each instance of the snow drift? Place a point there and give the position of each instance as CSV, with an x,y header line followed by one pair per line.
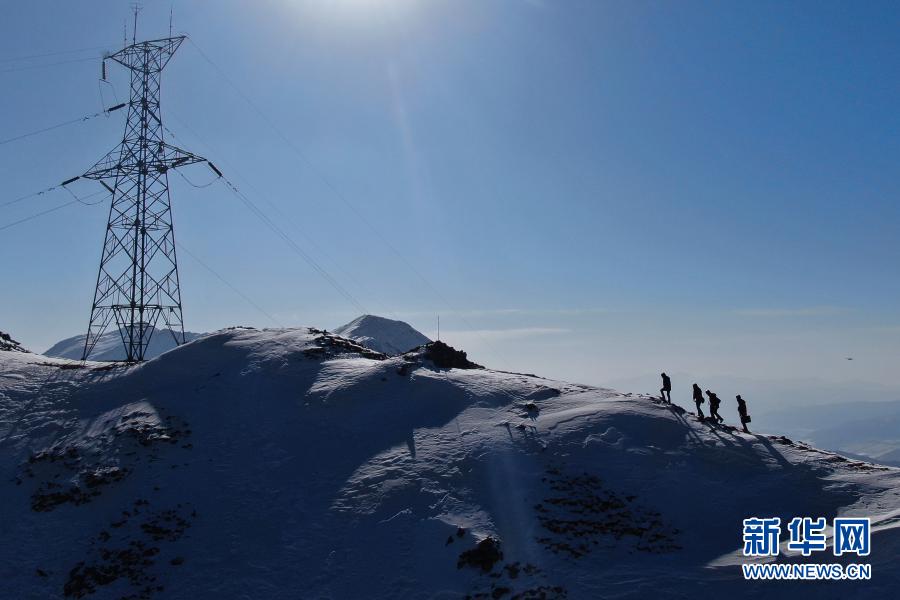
x,y
384,335
296,463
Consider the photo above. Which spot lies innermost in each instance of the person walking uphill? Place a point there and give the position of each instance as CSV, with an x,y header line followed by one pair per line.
x,y
698,400
742,411
666,391
714,403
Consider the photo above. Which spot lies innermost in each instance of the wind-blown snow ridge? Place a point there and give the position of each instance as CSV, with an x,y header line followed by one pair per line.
x,y
296,463
381,334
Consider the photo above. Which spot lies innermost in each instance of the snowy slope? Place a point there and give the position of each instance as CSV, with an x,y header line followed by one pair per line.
x,y
10,345
294,464
384,335
109,346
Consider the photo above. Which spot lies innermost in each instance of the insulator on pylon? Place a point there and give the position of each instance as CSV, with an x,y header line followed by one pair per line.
x,y
103,69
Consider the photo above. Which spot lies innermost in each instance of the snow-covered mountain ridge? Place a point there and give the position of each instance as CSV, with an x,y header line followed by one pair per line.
x,y
384,335
110,347
295,463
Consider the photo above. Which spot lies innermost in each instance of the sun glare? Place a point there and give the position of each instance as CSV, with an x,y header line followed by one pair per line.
x,y
358,10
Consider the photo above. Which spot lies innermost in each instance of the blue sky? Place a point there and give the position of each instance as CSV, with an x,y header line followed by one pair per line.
x,y
592,190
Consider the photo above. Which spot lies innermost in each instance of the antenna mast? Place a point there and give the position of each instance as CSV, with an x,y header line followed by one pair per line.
x,y
136,8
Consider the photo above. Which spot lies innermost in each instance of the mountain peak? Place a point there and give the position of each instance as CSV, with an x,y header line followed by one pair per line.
x,y
383,335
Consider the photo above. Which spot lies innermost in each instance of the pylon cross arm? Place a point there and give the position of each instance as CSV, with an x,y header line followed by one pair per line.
x,y
166,157
151,55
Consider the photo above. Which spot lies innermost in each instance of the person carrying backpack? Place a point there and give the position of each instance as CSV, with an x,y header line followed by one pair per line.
x,y
666,391
714,403
698,400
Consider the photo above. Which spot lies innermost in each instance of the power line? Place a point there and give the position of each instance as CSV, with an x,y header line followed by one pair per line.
x,y
283,216
63,124
268,222
199,186
75,200
40,214
312,167
27,196
83,198
334,189
100,83
47,65
227,283
57,53
293,245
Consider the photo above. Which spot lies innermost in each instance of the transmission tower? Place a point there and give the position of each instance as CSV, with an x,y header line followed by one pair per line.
x,y
137,284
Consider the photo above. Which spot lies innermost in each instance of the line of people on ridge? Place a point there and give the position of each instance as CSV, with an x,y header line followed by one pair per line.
x,y
714,402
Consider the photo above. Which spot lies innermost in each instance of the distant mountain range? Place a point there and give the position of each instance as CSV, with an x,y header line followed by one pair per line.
x,y
110,347
378,333
856,428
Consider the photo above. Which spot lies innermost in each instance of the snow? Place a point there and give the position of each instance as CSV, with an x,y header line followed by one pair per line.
x,y
10,345
109,347
291,463
384,335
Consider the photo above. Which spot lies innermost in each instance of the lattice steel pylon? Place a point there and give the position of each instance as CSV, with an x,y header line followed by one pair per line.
x,y
137,283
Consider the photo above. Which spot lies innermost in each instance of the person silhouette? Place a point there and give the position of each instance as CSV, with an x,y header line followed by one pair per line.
x,y
714,403
742,411
698,400
665,391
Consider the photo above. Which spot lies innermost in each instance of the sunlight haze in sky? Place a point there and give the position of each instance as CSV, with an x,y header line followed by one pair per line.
x,y
592,191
